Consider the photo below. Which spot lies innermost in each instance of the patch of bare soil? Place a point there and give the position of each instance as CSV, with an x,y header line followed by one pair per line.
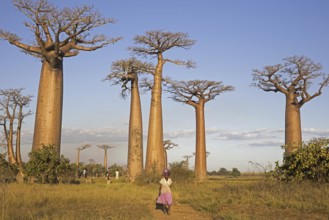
x,y
178,211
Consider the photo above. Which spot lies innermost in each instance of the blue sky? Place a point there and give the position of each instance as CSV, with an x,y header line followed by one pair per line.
x,y
232,39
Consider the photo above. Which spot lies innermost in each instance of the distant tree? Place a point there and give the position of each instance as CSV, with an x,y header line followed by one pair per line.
x,y
80,148
235,172
154,44
196,93
124,72
222,171
187,158
116,167
167,145
12,103
94,169
294,79
105,147
58,34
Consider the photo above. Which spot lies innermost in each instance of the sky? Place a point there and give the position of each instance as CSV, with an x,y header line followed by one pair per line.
x,y
232,39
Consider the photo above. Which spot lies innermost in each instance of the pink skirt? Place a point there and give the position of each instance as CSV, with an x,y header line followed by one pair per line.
x,y
165,198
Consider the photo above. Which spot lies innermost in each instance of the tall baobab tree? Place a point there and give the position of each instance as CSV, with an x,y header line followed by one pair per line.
x,y
80,148
12,103
196,93
167,145
294,79
105,147
124,72
58,34
154,44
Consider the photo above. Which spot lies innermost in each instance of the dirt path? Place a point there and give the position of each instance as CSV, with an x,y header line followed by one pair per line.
x,y
178,211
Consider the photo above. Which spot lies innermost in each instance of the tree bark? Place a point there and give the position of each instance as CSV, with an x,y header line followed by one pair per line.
x,y
48,120
200,148
154,153
293,131
11,155
165,157
105,158
135,139
18,138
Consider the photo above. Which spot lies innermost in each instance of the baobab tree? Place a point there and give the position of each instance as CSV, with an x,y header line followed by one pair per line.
x,y
105,147
12,103
196,93
58,34
294,79
124,72
187,158
80,148
167,145
154,44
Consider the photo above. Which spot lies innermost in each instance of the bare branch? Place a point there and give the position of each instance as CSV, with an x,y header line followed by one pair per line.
x,y
294,77
59,33
191,92
125,71
157,41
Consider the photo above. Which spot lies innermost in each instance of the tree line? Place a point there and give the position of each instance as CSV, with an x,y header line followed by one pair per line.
x,y
64,33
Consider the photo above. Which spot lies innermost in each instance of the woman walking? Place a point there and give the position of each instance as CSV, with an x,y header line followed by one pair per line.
x,y
165,196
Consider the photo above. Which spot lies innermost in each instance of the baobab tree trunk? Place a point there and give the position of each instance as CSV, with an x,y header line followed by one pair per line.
x,y
135,140
105,159
293,131
165,157
11,155
154,152
18,139
48,120
200,148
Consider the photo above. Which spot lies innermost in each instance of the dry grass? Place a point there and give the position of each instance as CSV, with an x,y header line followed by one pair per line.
x,y
85,201
247,197
257,198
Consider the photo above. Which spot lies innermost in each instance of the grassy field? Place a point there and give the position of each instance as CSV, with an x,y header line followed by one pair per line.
x,y
221,198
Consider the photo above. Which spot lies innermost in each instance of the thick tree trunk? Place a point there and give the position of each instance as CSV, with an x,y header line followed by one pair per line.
x,y
11,155
154,152
105,159
165,157
48,120
135,139
78,157
18,140
200,148
293,131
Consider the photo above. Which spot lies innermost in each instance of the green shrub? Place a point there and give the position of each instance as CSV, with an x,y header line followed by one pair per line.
x,y
8,171
309,162
235,172
179,172
46,166
146,178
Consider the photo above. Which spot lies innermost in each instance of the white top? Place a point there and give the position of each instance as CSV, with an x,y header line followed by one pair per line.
x,y
165,185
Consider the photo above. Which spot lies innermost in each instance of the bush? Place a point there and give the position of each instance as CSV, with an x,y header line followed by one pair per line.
x,y
8,171
46,166
146,178
179,172
235,172
309,162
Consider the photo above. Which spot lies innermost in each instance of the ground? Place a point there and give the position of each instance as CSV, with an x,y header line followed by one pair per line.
x,y
179,211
